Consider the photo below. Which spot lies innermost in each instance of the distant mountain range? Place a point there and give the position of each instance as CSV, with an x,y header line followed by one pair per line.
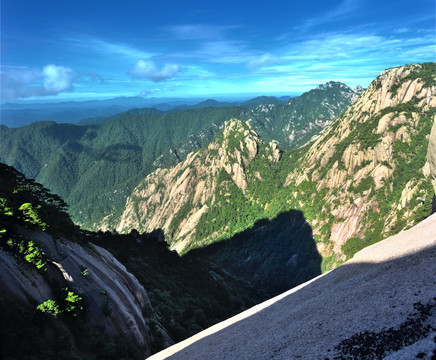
x,y
95,111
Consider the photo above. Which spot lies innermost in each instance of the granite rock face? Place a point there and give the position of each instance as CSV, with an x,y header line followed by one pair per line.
x,y
368,145
115,301
190,187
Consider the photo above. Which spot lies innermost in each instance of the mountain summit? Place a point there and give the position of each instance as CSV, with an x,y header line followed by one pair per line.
x,y
175,199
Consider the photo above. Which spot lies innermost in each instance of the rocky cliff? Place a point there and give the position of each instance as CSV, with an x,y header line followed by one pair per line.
x,y
431,161
367,166
175,199
113,298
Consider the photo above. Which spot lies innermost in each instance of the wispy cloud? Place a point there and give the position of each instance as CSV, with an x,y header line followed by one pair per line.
x,y
196,72
149,70
227,53
337,49
21,82
105,48
353,58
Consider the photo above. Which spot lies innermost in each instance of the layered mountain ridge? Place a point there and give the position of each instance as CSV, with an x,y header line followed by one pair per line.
x,y
95,167
250,220
361,180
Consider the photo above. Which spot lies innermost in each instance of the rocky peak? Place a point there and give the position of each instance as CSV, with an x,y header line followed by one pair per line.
x,y
238,137
235,125
175,199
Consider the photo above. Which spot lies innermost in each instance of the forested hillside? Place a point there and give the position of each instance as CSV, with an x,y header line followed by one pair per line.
x,y
95,167
303,118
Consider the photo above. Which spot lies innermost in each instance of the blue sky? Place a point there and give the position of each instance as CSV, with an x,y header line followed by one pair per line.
x,y
66,50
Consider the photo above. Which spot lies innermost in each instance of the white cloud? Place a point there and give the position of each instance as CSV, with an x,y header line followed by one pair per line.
x,y
345,9
145,93
193,32
58,79
148,70
22,82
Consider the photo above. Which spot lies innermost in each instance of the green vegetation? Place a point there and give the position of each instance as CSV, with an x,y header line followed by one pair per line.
x,y
73,303
189,294
50,307
32,215
273,255
95,167
31,334
301,115
27,249
364,184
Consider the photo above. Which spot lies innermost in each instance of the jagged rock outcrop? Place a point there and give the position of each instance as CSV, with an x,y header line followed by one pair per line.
x,y
176,199
59,284
386,296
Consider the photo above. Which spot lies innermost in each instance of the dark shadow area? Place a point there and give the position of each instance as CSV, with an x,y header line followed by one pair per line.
x,y
187,294
195,291
274,255
358,311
